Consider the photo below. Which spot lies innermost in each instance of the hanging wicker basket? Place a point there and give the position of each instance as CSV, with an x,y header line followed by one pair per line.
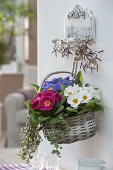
x,y
80,127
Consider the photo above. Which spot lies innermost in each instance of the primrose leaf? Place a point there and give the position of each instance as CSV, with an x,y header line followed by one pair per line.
x,y
42,118
71,109
82,111
53,121
36,87
63,100
27,104
97,108
59,109
34,119
62,89
91,103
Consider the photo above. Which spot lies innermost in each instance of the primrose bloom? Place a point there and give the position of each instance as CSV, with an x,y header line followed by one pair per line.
x,y
77,89
74,100
94,92
46,103
58,97
55,84
69,91
35,101
45,100
86,96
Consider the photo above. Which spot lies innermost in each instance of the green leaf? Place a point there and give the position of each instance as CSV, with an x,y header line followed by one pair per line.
x,y
27,104
82,111
91,103
34,120
60,116
36,87
59,109
42,118
62,89
53,121
79,77
97,108
63,100
71,109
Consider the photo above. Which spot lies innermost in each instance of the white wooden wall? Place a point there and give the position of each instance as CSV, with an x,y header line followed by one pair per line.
x,y
50,24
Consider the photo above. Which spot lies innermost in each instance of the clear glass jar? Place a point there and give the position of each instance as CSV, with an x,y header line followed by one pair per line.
x,y
45,161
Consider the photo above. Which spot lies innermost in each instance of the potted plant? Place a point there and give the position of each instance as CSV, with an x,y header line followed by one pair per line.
x,y
60,106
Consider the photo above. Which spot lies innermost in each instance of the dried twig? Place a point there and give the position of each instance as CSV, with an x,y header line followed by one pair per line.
x,y
84,55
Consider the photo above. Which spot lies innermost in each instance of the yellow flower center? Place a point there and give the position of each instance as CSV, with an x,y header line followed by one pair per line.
x,y
69,93
75,101
47,103
50,88
85,97
78,91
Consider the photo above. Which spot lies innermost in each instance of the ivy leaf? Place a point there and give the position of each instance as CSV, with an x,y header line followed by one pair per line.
x,y
59,109
36,87
71,109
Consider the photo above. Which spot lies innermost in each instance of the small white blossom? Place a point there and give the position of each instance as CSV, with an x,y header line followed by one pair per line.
x,y
77,89
96,94
86,96
74,100
69,91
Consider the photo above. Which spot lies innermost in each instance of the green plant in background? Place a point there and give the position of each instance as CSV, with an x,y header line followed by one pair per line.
x,y
8,11
2,52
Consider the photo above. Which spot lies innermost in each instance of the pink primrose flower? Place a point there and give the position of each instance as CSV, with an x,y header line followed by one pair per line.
x,y
46,103
58,97
35,101
38,102
49,93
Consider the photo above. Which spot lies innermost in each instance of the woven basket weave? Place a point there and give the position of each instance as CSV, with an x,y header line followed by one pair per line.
x,y
80,127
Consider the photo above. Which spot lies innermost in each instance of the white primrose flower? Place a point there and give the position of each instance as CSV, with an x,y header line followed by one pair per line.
x,y
74,100
69,91
96,94
86,96
77,89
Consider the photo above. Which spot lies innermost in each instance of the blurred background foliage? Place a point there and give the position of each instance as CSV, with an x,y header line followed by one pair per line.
x,y
9,11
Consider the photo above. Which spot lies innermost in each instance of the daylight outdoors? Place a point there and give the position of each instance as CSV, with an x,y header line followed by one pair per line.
x,y
56,65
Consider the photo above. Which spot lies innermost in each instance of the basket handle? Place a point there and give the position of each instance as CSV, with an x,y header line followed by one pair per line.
x,y
49,75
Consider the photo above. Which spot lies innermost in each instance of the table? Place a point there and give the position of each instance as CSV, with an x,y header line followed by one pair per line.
x,y
9,160
21,166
